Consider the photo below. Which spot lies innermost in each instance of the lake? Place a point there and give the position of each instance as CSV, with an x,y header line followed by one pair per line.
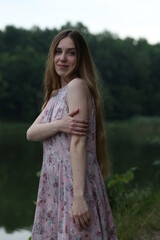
x,y
129,146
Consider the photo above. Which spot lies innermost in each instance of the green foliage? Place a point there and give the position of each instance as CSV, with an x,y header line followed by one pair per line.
x,y
118,186
38,174
129,70
137,214
121,179
134,209
155,140
156,162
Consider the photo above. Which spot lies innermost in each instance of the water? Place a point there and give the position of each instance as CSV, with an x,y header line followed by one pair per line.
x,y
16,235
20,160
136,147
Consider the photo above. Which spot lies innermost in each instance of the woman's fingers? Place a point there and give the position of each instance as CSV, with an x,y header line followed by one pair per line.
x,y
81,212
81,122
80,125
78,133
82,222
77,222
73,219
74,126
71,114
88,216
79,128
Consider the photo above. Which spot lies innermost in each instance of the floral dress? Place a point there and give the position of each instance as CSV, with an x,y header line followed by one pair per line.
x,y
53,217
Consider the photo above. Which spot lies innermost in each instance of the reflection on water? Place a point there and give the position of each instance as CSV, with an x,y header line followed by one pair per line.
x,y
17,235
20,160
134,148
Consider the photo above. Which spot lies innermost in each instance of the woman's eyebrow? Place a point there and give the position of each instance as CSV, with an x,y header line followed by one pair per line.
x,y
67,48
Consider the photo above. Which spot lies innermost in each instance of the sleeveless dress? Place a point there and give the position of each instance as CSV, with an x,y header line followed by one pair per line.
x,y
53,219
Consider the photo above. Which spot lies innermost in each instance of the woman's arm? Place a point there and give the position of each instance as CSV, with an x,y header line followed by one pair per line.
x,y
39,131
78,95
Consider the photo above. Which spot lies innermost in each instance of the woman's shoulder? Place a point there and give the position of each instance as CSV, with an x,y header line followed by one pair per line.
x,y
77,84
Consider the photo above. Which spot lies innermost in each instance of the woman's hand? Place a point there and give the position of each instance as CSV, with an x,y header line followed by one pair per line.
x,y
72,126
80,213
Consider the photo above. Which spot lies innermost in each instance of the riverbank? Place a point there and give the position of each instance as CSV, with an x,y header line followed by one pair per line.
x,y
137,122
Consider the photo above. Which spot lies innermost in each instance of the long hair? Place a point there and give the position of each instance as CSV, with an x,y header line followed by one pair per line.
x,y
85,69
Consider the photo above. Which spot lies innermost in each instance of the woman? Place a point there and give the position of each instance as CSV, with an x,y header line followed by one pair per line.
x,y
72,203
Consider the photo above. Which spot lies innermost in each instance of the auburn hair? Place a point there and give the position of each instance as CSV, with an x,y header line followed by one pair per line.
x,y
85,69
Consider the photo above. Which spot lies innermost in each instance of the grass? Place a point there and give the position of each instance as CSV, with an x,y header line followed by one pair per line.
x,y
138,217
136,210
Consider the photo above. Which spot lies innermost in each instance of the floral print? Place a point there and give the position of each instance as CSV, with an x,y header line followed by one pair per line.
x,y
53,219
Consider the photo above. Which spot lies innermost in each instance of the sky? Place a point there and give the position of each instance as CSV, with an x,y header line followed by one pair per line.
x,y
126,18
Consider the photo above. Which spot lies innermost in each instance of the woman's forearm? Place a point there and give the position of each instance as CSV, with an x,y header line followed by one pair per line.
x,y
78,162
38,131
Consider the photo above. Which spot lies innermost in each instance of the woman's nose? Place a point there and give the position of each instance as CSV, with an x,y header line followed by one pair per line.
x,y
63,57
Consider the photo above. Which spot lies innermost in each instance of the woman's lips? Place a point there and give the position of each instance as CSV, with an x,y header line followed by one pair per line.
x,y
62,66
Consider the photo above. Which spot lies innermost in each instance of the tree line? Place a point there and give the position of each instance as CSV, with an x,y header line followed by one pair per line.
x,y
128,68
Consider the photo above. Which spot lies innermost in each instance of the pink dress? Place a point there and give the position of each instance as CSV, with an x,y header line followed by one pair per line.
x,y
53,219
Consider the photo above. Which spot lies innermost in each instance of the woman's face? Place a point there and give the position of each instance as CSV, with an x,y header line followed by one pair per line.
x,y
65,56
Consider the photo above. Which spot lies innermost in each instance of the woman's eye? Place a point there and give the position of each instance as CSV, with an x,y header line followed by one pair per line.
x,y
58,51
72,53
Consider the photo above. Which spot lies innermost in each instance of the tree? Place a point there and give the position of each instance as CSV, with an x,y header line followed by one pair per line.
x,y
129,72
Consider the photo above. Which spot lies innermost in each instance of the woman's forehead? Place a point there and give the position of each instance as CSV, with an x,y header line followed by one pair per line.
x,y
66,42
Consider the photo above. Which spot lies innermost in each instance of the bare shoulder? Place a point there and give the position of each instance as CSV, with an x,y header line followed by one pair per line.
x,y
78,85
78,96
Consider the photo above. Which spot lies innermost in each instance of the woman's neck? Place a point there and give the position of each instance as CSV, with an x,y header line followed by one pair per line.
x,y
63,82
